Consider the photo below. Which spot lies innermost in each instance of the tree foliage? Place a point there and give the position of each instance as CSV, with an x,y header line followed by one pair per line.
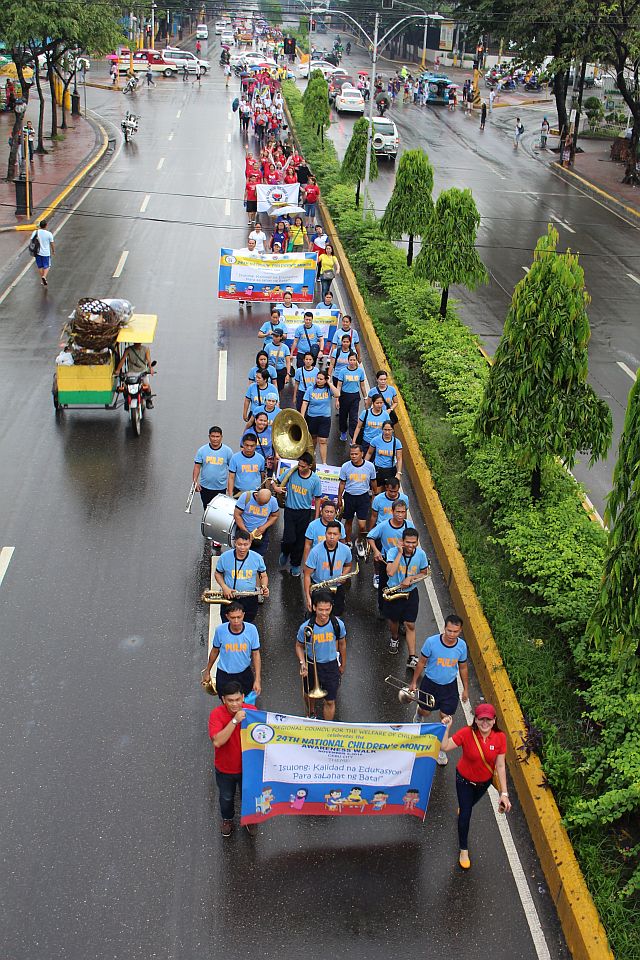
x,y
355,158
537,399
448,254
410,207
316,104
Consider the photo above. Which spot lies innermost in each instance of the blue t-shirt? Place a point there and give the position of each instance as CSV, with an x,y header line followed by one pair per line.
x,y
255,514
383,506
247,470
240,575
265,440
389,393
386,454
235,648
442,661
316,531
409,567
372,423
357,479
340,333
306,337
342,358
305,378
302,490
319,400
257,396
215,466
271,414
387,536
323,306
326,642
350,379
271,370
268,328
278,354
325,563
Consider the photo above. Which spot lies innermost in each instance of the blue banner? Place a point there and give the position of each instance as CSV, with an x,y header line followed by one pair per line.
x,y
299,766
266,277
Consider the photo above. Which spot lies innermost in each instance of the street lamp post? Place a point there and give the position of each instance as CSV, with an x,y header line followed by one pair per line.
x,y
153,24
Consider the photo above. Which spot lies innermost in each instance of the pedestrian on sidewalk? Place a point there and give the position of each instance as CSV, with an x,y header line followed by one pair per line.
x,y
45,251
483,115
150,81
492,96
544,133
517,133
113,70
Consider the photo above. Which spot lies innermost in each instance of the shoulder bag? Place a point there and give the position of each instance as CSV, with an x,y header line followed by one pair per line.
x,y
494,773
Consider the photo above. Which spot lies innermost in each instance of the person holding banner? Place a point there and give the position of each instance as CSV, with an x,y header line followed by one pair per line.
x,y
321,649
327,560
251,198
224,730
316,409
385,452
484,749
240,571
404,564
316,532
304,377
351,385
303,485
308,336
235,653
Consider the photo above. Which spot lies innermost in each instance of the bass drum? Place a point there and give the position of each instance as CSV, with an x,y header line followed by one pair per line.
x,y
217,520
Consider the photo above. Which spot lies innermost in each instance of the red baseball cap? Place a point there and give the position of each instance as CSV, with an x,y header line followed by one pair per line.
x,y
485,710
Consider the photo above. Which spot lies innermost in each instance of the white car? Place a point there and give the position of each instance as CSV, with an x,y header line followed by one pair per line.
x,y
339,72
182,57
202,32
349,100
228,40
322,65
221,26
386,139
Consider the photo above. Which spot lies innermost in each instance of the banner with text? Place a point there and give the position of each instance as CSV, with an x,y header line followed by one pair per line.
x,y
266,277
277,194
299,766
328,475
326,320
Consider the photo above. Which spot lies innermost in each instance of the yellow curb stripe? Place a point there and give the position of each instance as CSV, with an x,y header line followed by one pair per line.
x,y
580,921
602,193
70,186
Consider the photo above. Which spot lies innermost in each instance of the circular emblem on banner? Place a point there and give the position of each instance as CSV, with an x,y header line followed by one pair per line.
x,y
277,195
229,259
262,733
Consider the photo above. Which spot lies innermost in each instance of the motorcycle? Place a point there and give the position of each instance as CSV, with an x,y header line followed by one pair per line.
x,y
131,84
382,103
348,49
136,398
129,125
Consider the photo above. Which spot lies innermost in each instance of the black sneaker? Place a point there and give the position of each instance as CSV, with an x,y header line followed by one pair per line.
x,y
394,645
149,404
226,828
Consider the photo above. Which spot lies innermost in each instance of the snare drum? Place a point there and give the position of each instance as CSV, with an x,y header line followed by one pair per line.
x,y
217,520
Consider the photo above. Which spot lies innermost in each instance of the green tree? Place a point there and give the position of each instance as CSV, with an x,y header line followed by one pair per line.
x,y
448,254
537,399
410,208
317,114
355,158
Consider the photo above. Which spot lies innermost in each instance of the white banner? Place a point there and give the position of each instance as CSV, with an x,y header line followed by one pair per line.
x,y
329,476
290,763
277,193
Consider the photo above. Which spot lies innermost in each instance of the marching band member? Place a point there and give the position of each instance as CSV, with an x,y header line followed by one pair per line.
x,y
327,560
239,571
385,453
246,468
235,648
211,467
383,537
357,478
383,502
403,565
255,513
302,487
370,422
316,409
351,384
317,530
321,644
304,377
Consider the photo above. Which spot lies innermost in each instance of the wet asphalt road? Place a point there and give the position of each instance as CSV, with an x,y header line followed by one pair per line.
x,y
517,196
111,847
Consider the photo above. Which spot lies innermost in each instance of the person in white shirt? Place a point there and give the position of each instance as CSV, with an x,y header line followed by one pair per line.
x,y
45,252
259,236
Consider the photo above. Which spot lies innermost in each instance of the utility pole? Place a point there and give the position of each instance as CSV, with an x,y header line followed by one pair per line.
x,y
367,168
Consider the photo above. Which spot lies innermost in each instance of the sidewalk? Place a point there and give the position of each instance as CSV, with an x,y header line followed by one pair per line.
x,y
595,172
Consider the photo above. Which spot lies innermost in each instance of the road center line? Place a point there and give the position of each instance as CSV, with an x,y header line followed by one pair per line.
x,y
228,138
227,207
5,559
629,372
222,375
121,263
228,166
178,114
145,202
160,163
171,135
634,278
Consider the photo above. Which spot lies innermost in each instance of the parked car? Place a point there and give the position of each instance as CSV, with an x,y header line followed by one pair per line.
x,y
182,57
386,139
349,100
143,58
202,32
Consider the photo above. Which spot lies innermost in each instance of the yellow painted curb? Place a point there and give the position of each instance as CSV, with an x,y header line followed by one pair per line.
x,y
70,186
580,921
598,190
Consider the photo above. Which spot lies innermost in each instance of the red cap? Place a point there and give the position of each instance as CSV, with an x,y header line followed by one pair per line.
x,y
485,710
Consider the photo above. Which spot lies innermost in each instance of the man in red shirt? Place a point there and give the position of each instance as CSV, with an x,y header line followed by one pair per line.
x,y
311,194
224,730
251,198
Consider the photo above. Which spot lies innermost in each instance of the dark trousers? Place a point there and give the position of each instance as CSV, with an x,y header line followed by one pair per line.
x,y
295,526
207,495
249,605
325,286
245,679
349,404
228,783
281,374
468,795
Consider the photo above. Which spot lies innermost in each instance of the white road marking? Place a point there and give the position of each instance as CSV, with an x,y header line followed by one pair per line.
x,y
561,222
14,283
121,263
629,372
171,135
635,279
228,166
228,138
229,115
145,202
5,559
227,207
160,163
222,375
178,114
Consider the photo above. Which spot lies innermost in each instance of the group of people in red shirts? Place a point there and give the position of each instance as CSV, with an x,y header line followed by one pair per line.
x,y
275,164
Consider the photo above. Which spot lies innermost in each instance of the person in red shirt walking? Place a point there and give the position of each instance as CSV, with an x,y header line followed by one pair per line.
x,y
311,194
224,730
484,748
251,198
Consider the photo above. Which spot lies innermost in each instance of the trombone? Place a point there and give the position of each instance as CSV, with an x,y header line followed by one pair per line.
x,y
192,494
317,693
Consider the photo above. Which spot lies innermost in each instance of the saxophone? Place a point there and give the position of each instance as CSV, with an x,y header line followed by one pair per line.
x,y
400,592
334,582
217,596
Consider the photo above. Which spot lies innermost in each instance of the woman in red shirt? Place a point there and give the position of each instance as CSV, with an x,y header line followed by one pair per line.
x,y
484,748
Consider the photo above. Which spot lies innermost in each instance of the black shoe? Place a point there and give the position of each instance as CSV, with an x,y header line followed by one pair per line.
x,y
149,404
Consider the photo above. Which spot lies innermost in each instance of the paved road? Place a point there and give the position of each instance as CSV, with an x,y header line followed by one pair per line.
x,y
111,846
517,195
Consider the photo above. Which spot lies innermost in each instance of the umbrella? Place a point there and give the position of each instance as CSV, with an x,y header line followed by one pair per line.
x,y
285,209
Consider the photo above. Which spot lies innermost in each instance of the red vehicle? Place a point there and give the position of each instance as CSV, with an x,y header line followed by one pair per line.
x,y
143,58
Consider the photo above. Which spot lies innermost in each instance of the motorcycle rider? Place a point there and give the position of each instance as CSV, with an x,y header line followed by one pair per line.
x,y
348,47
138,360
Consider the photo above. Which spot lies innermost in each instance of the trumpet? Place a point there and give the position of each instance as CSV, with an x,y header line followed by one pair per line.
x,y
317,693
334,582
405,695
192,494
399,592
217,596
